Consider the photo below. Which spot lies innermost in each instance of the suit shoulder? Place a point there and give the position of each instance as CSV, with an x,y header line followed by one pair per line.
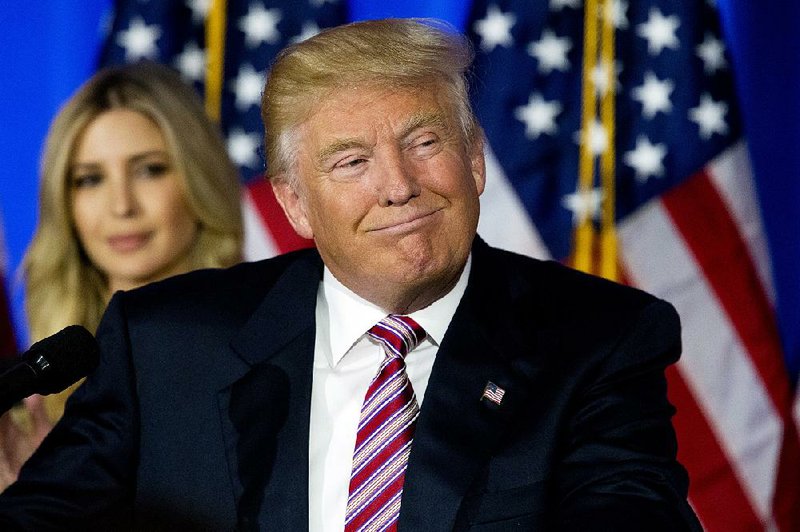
x,y
562,289
239,287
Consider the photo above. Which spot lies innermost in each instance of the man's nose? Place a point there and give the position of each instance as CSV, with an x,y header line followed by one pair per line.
x,y
398,179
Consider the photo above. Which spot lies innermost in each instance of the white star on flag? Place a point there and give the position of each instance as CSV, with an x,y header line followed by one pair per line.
x,y
709,116
619,17
600,77
654,95
712,52
551,52
260,25
659,31
243,147
200,9
191,62
558,5
139,40
495,29
248,86
583,205
538,116
646,159
308,30
598,137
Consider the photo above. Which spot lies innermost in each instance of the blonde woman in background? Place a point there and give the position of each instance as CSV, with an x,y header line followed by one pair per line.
x,y
136,186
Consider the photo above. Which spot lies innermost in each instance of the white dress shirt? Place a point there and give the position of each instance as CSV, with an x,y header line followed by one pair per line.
x,y
346,360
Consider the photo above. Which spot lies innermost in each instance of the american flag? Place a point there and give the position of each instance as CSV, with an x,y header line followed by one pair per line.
x,y
493,393
687,218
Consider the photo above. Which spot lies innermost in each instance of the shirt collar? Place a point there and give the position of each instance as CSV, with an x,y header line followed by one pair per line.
x,y
350,315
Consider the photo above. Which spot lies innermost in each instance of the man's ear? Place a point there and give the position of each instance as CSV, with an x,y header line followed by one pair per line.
x,y
478,161
292,205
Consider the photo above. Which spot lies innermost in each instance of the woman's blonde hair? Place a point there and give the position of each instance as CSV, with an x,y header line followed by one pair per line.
x,y
62,285
392,53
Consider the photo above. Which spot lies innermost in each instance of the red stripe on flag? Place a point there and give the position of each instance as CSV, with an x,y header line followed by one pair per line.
x,y
713,238
786,500
714,491
700,214
274,219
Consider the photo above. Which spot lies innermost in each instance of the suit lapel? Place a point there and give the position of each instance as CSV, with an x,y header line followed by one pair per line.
x,y
265,401
457,430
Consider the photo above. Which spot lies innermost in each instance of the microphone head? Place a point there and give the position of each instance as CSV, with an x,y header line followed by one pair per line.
x,y
63,358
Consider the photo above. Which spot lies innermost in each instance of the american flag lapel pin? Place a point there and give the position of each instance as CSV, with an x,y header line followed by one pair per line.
x,y
493,393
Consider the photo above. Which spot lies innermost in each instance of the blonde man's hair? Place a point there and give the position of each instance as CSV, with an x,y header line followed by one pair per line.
x,y
62,285
393,53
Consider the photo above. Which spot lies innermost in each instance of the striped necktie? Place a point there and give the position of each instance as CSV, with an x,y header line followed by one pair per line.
x,y
385,431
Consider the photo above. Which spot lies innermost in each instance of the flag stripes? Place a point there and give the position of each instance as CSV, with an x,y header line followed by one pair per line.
x,y
715,493
268,232
694,257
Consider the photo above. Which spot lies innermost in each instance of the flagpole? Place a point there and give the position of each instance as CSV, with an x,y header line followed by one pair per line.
x,y
584,233
215,58
608,235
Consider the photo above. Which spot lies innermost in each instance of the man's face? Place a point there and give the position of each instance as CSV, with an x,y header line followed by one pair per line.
x,y
388,190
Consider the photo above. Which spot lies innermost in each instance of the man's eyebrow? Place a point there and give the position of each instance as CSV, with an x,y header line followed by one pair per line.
x,y
417,121
422,120
339,146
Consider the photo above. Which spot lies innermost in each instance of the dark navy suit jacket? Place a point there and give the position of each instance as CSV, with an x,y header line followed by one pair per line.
x,y
198,415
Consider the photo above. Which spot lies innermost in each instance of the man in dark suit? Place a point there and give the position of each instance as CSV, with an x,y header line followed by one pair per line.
x,y
495,392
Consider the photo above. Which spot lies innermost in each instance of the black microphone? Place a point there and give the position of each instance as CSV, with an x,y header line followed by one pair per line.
x,y
49,366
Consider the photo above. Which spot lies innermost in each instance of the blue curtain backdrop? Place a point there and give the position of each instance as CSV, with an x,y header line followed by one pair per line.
x,y
47,48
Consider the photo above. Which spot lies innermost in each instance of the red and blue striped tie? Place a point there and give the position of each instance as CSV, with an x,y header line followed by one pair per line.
x,y
385,431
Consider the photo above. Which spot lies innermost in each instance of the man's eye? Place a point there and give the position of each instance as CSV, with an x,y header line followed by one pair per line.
x,y
426,141
426,145
351,163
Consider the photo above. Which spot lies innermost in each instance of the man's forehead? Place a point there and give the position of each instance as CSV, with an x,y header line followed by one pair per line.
x,y
354,113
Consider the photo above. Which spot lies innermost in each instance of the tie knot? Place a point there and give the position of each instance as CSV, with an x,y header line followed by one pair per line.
x,y
399,334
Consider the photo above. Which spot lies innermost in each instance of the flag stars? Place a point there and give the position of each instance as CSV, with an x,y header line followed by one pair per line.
x,y
712,52
243,147
659,31
191,62
654,95
558,5
709,116
601,80
260,25
619,17
597,137
308,30
200,9
139,40
248,86
495,29
646,159
583,204
538,116
551,52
